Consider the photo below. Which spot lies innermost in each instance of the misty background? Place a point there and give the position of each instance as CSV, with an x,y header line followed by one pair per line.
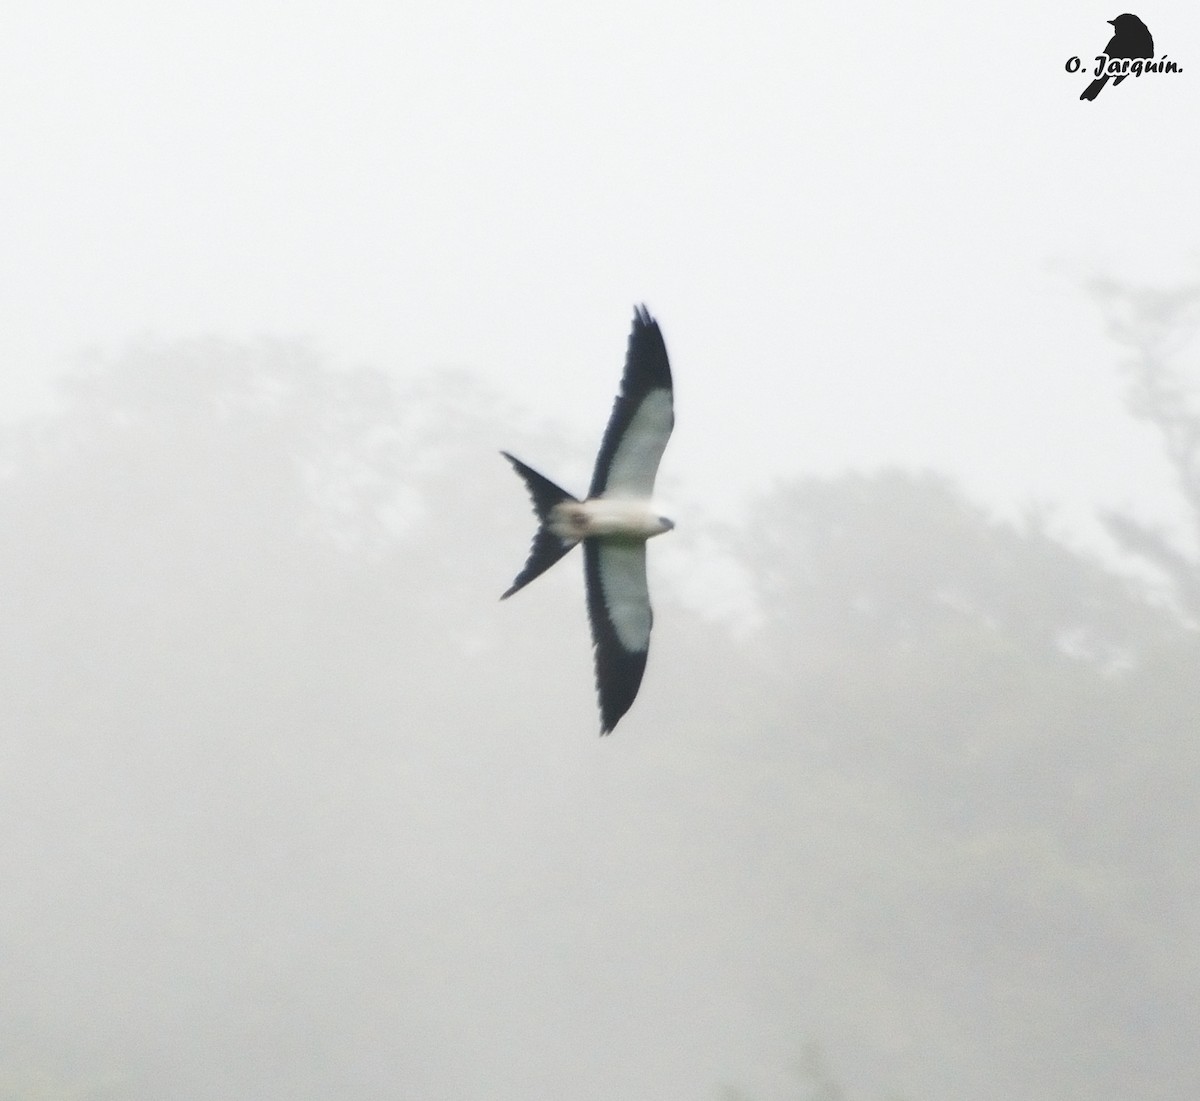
x,y
293,807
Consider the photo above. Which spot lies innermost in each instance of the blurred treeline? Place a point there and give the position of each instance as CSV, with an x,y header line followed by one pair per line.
x,y
291,807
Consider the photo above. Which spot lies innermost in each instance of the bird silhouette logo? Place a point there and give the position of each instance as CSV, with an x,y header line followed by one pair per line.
x,y
1131,39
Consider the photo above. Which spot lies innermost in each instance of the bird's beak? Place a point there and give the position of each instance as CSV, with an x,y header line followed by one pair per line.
x,y
1112,22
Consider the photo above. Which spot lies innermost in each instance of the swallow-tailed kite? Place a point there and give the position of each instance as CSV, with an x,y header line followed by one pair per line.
x,y
614,522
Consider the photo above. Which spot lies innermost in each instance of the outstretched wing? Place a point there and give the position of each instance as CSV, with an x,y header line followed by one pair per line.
x,y
619,609
642,417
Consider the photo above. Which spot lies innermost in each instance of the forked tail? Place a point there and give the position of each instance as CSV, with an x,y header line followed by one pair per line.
x,y
547,547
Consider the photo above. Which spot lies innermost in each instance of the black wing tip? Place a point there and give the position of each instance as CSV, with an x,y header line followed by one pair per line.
x,y
643,319
619,675
608,722
648,349
612,712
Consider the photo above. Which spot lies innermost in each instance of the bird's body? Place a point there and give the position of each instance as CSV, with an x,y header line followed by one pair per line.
x,y
607,518
614,521
1131,38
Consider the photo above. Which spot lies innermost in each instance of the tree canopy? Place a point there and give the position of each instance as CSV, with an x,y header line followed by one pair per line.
x,y
293,808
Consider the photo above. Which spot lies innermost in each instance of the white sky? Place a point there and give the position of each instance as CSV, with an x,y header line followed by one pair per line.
x,y
863,228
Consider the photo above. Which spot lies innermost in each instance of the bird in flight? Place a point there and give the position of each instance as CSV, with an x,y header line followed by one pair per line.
x,y
614,521
1131,38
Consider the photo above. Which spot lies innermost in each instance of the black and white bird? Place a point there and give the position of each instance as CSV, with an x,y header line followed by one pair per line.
x,y
614,521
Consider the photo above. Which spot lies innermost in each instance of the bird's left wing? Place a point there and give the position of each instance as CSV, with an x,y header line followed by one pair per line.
x,y
642,417
619,609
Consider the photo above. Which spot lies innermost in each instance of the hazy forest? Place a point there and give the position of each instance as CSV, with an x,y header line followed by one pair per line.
x,y
294,808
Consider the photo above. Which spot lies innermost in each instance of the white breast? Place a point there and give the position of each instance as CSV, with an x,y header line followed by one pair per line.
x,y
608,518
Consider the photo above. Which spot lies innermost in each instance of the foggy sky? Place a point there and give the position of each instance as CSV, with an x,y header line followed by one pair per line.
x,y
865,235
294,808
